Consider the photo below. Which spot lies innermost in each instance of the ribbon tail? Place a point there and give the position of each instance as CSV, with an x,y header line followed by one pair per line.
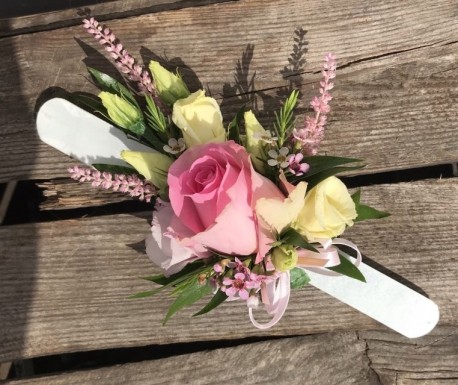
x,y
276,305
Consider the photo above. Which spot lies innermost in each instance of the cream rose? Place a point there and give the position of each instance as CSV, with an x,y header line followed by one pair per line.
x,y
328,209
199,118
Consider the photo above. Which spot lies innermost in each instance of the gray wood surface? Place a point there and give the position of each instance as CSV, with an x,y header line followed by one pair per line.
x,y
102,10
65,283
396,94
302,360
68,194
430,360
360,358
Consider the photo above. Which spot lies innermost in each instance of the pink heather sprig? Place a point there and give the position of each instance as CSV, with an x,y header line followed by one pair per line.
x,y
123,60
312,134
130,184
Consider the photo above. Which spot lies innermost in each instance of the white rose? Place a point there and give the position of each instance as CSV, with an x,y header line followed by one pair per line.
x,y
328,209
199,118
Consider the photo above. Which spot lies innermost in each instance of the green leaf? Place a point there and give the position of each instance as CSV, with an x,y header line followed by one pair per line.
x,y
298,278
186,298
320,163
356,197
154,141
89,101
107,83
347,268
317,178
233,130
293,238
216,300
366,212
114,169
190,269
138,127
143,294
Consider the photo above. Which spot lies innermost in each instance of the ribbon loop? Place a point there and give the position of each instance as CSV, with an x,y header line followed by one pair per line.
x,y
275,293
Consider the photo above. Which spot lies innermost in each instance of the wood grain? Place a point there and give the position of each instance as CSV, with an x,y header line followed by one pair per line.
x,y
64,285
369,357
429,360
103,11
395,105
69,194
301,360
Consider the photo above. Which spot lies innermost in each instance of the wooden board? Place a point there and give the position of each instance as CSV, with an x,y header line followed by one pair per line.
x,y
430,360
69,194
310,359
103,10
64,284
397,85
370,357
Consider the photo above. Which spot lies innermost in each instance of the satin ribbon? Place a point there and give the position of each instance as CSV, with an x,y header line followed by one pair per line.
x,y
275,294
275,297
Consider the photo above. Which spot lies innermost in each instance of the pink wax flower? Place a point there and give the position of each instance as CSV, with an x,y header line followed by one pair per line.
x,y
295,166
241,284
213,190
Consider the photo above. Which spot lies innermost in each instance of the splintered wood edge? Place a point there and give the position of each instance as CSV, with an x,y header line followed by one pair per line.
x,y
68,281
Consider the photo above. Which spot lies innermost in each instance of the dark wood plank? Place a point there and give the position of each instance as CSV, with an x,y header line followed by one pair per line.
x,y
322,359
396,89
69,194
369,357
64,285
428,360
103,10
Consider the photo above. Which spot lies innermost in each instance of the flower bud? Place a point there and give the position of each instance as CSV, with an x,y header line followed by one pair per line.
x,y
169,86
120,110
284,257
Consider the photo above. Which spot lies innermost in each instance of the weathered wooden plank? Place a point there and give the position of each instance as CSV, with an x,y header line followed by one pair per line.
x,y
69,194
64,285
397,87
321,359
103,11
369,357
428,360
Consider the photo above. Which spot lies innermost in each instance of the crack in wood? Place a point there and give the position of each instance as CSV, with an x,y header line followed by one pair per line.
x,y
391,53
373,374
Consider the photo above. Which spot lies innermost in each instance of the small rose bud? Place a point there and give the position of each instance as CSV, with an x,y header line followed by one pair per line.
x,y
284,257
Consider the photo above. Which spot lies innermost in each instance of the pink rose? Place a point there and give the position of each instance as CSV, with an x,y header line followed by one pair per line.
x,y
213,190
